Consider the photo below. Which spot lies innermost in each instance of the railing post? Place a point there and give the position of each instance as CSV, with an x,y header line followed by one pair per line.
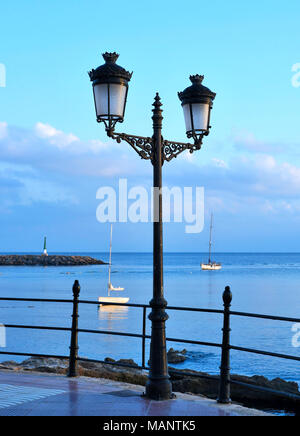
x,y
144,339
224,388
74,334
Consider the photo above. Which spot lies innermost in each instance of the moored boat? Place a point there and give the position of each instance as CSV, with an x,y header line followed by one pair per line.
x,y
211,265
110,287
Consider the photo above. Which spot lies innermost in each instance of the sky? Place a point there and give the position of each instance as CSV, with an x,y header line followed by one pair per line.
x,y
54,156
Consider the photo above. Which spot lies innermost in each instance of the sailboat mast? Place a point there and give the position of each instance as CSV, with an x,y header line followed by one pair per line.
x,y
109,268
210,235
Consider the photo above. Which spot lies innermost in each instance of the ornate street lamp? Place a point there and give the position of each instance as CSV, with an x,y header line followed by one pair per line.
x,y
110,86
197,102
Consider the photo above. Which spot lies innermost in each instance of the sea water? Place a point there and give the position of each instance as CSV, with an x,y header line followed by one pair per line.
x,y
260,283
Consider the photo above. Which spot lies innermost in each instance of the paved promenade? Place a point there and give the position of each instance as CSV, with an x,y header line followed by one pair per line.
x,y
33,394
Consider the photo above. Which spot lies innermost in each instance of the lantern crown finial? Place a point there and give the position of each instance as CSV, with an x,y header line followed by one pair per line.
x,y
197,78
110,57
110,71
197,92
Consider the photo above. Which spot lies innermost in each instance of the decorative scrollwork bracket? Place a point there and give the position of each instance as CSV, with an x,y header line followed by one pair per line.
x,y
172,149
144,146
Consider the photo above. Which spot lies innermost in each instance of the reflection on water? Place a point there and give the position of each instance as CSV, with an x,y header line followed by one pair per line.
x,y
112,313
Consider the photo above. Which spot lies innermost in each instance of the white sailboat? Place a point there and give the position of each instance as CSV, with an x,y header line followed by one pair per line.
x,y
210,265
110,287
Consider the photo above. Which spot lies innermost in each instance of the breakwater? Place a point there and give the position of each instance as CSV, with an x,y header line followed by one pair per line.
x,y
51,260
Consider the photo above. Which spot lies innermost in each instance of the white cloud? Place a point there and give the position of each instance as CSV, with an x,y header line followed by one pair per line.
x,y
45,164
47,149
275,178
259,183
49,163
55,137
219,163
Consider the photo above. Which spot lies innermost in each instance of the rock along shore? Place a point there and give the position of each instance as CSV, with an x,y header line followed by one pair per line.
x,y
180,382
51,260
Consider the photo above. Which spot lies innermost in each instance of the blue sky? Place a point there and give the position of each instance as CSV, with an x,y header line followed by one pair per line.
x,y
54,156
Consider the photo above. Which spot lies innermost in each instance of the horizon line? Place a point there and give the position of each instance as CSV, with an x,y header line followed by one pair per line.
x,y
150,252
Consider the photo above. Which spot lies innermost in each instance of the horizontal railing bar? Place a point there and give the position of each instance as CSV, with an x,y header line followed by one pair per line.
x,y
195,309
36,327
190,374
265,353
271,317
52,356
188,341
140,336
264,389
42,300
191,309
107,332
103,303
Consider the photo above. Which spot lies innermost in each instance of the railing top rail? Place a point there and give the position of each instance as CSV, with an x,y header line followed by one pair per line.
x,y
195,309
14,353
42,300
113,304
190,309
198,309
265,353
271,317
37,327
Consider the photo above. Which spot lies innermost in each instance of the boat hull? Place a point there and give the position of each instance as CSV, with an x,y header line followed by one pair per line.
x,y
211,266
107,300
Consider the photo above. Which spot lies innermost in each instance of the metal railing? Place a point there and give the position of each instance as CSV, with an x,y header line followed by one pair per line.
x,y
224,379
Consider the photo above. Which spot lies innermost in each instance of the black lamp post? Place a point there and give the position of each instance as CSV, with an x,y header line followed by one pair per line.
x,y
110,86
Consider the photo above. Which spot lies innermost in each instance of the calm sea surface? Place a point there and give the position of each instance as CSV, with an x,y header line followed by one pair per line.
x,y
260,283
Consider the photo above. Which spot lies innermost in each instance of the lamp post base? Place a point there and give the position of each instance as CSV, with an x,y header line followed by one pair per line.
x,y
159,390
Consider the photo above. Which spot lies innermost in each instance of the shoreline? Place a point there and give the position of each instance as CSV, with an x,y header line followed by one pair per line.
x,y
115,370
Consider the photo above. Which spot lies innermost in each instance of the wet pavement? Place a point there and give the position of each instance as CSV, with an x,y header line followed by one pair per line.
x,y
33,394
